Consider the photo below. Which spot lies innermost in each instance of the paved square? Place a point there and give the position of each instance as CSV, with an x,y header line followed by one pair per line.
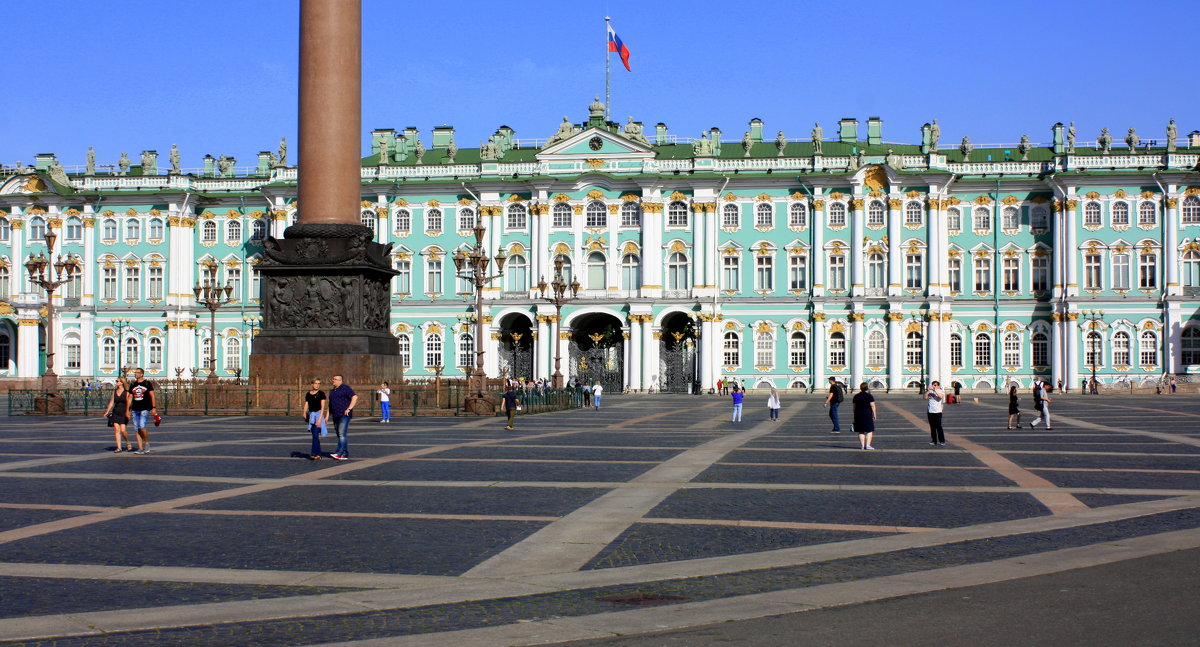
x,y
455,531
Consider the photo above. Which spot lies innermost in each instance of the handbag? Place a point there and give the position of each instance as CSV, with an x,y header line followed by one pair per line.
x,y
108,417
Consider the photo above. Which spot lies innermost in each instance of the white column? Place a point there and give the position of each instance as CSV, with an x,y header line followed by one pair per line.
x,y
895,351
18,273
627,357
88,277
383,230
1171,244
1058,345
634,364
652,251
1172,316
895,255
710,249
817,352
856,253
1072,368
543,350
933,348
699,244
935,260
87,336
612,268
706,352
1070,218
27,344
649,357
856,346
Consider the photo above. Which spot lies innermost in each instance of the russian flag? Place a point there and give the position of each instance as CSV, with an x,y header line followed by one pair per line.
x,y
615,45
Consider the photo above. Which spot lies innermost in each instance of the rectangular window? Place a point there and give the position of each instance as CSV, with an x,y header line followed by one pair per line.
x,y
983,350
837,272
433,276
1148,272
233,276
983,274
731,350
798,272
730,273
1012,274
133,287
955,275
155,283
764,350
956,353
1120,271
1091,272
73,355
404,278
914,271
1040,274
764,273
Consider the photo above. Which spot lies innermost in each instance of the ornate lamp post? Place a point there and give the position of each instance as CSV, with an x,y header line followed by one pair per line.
x,y
122,324
66,268
1093,319
558,297
472,266
212,296
920,317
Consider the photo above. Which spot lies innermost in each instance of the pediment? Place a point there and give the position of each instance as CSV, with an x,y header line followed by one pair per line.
x,y
595,143
27,184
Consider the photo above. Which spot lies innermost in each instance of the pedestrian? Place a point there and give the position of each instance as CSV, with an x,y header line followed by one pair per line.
x,y
864,416
315,414
385,402
720,383
587,395
143,405
773,403
1014,411
1095,386
117,413
1173,385
512,404
957,388
935,398
1041,402
342,399
833,400
1060,385
597,391
738,396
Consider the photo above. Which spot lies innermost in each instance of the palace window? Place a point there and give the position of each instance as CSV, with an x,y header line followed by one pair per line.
x,y
1093,345
405,344
876,275
5,285
72,348
1091,272
233,354
1039,219
764,349
1120,348
956,350
764,215
37,229
631,214
108,231
876,348
208,232
764,272
1011,219
798,215
797,350
366,218
837,349
953,220
1039,348
914,271
1091,214
798,272
108,353
433,221
1039,270
154,283
403,221
433,276
561,216
983,350
516,272
837,272
108,284
233,231
631,272
983,273
566,267
1011,270
729,215
133,352
1148,349
731,349
1191,210
596,215
1147,214
982,222
837,214
1190,344
466,219
154,352
433,350
466,350
1191,269
517,216
595,271
258,230
133,282
677,271
731,273
954,274
1012,349
5,236
233,277
677,214
914,349
1120,214
403,276
133,229
875,214
75,228
5,351
1148,271
913,213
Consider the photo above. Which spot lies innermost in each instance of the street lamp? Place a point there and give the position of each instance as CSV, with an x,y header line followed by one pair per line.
x,y
558,297
212,296
66,268
1093,318
472,266
122,324
920,317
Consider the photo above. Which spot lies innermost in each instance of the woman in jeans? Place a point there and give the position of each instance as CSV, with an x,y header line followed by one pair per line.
x,y
737,403
315,412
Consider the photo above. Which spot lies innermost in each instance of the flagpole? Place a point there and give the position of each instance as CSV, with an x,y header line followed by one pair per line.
x,y
607,73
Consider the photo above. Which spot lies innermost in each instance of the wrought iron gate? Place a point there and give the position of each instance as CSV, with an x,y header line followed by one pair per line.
x,y
676,364
603,363
516,360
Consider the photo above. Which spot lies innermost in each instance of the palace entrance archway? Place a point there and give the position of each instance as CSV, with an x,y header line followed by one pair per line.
x,y
596,351
677,354
516,347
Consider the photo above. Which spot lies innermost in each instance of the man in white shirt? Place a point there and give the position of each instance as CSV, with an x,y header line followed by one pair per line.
x,y
597,391
935,397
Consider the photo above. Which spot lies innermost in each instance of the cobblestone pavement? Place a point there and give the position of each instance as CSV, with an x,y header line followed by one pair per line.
x,y
654,512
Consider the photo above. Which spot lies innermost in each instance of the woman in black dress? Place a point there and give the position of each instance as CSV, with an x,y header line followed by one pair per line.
x,y
864,416
118,407
1013,409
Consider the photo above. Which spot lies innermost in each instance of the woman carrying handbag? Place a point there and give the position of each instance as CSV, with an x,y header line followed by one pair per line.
x,y
117,413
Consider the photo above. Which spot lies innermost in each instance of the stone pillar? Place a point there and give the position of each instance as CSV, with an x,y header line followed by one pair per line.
x,y
895,231
896,338
1171,247
89,277
648,357
699,245
818,355
652,251
543,348
1070,218
1058,346
1072,367
818,258
706,352
627,358
856,253
635,364
28,339
936,250
856,345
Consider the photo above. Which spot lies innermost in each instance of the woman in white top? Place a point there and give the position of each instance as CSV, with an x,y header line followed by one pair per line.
x,y
773,403
597,391
385,402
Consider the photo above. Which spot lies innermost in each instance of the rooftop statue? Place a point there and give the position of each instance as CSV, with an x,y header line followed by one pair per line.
x,y
633,132
1104,142
225,166
283,151
818,137
1132,141
965,148
173,156
385,151
780,143
1172,133
489,150
935,133
1071,138
149,163
451,150
123,164
747,143
596,109
91,161
418,151
1023,148
565,130
59,175
702,147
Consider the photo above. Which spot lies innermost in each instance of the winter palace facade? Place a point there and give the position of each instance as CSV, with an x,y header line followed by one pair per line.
x,y
769,260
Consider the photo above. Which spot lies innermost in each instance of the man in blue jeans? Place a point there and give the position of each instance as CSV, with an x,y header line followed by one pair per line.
x,y
342,399
833,400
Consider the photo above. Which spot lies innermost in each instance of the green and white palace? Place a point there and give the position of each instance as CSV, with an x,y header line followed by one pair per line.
x,y
770,260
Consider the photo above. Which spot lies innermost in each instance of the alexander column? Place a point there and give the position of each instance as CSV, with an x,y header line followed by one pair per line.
x,y
325,285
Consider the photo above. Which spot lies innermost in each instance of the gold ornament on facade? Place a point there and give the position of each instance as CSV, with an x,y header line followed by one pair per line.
x,y
818,205
613,209
561,248
912,327
875,193
875,177
516,198
539,209
914,194
433,328
465,202
594,162
630,197
895,316
365,204
561,197
858,317
629,247
652,207
400,202
1120,193
28,322
895,204
856,204
731,325
818,316
982,200
1172,203
678,246
1092,195
233,214
595,194
577,209
837,326
1010,200
380,212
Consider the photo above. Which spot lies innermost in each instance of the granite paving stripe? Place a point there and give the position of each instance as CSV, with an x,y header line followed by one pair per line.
x,y
275,577
1098,448
571,542
793,525
1121,479
890,457
361,515
1183,439
1107,461
17,517
531,452
163,464
557,471
105,493
878,477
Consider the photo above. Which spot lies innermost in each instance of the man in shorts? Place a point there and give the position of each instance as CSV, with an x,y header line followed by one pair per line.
x,y
141,408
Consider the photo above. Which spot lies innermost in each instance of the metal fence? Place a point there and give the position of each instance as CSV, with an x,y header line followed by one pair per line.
x,y
246,400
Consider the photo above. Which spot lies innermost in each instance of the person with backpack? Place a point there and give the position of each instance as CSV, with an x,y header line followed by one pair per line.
x,y
833,400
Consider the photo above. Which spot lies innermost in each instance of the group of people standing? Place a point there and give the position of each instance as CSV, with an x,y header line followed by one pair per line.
x,y
336,407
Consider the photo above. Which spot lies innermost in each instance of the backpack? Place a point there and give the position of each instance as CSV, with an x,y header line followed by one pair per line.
x,y
838,394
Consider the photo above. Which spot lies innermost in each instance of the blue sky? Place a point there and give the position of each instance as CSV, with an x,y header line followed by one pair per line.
x,y
219,76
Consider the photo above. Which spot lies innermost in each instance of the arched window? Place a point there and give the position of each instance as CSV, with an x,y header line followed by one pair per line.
x,y
205,352
797,350
1120,348
1039,219
1091,214
1191,210
404,276
517,216
154,351
913,213
433,350
983,273
366,218
72,350
133,355
983,219
631,272
5,285
233,278
1120,214
233,353
596,271
403,221
433,221
1190,344
75,228
764,349
876,272
37,229
837,214
677,214
5,235
914,271
1147,214
466,219
1191,269
405,344
1011,344
1148,349
517,271
730,215
5,352
466,350
566,267
731,349
1039,349
875,214
876,348
914,349
233,232
764,215
1011,218
797,271
1148,271
837,349
677,271
983,350
956,350
953,219
108,229
1093,346
631,214
561,215
258,230
596,215
208,232
798,215
108,353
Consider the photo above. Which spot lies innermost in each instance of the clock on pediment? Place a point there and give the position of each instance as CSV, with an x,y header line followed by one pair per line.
x,y
595,143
